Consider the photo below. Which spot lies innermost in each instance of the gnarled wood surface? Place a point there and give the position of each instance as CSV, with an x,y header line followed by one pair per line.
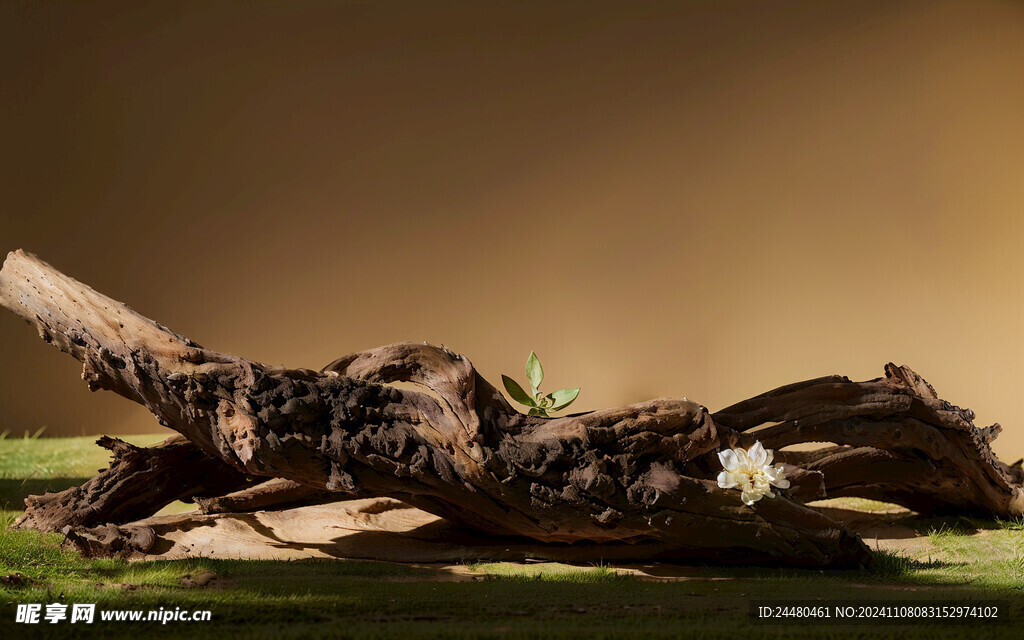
x,y
272,494
898,442
139,482
638,474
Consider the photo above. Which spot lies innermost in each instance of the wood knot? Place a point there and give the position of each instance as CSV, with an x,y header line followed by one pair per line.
x,y
195,356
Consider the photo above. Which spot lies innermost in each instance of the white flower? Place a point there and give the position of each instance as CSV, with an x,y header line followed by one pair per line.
x,y
752,472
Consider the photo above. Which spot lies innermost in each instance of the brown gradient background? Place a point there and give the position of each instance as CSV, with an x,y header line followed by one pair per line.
x,y
705,199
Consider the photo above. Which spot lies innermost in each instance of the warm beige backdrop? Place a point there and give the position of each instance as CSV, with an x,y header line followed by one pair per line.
x,y
659,198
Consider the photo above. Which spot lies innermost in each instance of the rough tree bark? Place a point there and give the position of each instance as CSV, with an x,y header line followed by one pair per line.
x,y
898,442
639,473
138,483
277,494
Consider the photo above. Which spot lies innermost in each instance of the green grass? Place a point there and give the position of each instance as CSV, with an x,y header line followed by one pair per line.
x,y
548,572
34,465
860,504
964,560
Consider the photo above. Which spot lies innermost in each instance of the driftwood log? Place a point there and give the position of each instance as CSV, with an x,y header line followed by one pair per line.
x,y
139,482
637,474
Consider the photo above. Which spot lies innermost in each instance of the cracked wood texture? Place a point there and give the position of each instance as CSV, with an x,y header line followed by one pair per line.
x,y
897,441
139,482
457,449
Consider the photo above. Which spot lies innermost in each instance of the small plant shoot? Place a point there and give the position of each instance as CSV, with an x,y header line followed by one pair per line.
x,y
540,404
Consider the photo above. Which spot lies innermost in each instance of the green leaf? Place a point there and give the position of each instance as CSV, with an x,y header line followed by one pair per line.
x,y
534,371
540,413
562,398
517,392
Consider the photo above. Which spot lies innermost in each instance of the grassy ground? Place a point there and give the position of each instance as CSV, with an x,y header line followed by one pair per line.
x,y
961,559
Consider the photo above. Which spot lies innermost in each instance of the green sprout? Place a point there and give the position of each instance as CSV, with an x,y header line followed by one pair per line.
x,y
539,403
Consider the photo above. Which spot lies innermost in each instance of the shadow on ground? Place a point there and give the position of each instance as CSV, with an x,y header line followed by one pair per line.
x,y
14,491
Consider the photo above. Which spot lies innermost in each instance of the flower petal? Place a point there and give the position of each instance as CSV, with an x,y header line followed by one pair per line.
x,y
741,458
780,480
757,455
728,459
769,456
750,498
726,480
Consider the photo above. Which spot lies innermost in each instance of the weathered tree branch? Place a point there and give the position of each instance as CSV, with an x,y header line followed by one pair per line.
x,y
901,443
457,449
138,483
272,494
